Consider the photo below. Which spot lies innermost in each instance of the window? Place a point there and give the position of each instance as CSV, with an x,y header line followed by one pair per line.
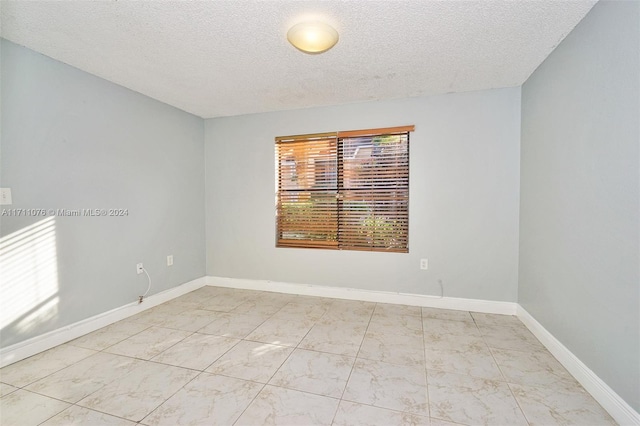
x,y
344,190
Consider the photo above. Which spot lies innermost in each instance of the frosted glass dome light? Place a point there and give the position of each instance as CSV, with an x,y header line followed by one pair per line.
x,y
312,37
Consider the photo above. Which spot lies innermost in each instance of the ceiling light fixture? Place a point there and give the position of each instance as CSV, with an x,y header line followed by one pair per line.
x,y
312,37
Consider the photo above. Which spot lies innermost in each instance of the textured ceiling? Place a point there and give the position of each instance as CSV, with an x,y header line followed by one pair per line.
x,y
220,58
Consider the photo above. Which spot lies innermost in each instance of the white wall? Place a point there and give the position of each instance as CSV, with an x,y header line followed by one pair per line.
x,y
464,183
580,211
70,140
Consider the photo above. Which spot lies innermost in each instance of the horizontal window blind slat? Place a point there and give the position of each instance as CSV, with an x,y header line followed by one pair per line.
x,y
380,131
307,244
306,138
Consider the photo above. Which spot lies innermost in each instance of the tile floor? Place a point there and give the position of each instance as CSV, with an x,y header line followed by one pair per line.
x,y
237,357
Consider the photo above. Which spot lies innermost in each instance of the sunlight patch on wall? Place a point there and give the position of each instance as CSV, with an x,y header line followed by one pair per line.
x,y
28,278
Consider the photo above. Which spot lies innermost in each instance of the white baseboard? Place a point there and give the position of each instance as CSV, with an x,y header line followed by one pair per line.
x,y
27,348
607,397
486,306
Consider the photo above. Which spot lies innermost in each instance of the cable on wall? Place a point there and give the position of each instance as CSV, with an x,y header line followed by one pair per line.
x,y
140,298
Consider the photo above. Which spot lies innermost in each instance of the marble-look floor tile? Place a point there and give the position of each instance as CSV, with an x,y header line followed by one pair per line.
x,y
538,368
197,351
275,296
211,291
6,389
509,337
279,406
81,379
140,392
207,400
398,324
472,361
352,311
166,308
353,414
394,348
495,319
224,302
453,341
468,400
313,300
251,361
233,325
440,422
396,387
433,328
560,404
157,314
387,309
314,372
247,294
203,294
79,416
354,306
148,343
190,320
297,309
338,337
187,305
22,408
109,335
263,306
281,331
41,365
446,314
189,298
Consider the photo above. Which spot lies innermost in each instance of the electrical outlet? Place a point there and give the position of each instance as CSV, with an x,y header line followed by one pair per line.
x,y
139,268
5,196
424,263
170,260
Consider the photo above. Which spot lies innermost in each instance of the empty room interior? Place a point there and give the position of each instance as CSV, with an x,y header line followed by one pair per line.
x,y
331,212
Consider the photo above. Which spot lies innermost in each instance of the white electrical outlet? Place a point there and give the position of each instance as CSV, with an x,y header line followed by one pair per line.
x,y
170,260
139,268
5,196
424,263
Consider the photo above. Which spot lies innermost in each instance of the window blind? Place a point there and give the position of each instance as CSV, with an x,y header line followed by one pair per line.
x,y
344,190
373,206
307,213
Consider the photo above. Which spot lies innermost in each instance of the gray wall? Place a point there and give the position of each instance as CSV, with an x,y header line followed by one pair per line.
x,y
72,140
579,223
464,183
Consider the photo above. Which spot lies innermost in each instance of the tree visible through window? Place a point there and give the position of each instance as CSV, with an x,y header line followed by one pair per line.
x,y
344,190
